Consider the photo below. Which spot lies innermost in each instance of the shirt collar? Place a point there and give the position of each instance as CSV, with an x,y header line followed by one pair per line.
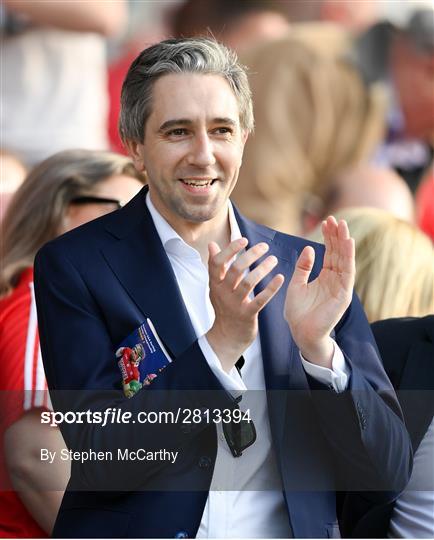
x,y
173,244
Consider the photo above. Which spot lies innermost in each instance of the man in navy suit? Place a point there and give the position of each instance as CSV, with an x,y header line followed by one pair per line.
x,y
181,256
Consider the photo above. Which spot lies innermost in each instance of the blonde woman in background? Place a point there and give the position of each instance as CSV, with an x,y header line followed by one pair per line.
x,y
394,264
314,116
64,191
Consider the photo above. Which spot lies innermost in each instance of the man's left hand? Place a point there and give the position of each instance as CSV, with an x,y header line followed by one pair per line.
x,y
313,309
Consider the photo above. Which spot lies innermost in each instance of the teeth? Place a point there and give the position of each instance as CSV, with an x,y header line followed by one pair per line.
x,y
197,183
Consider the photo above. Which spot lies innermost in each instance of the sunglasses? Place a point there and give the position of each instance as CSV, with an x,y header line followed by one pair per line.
x,y
92,199
239,435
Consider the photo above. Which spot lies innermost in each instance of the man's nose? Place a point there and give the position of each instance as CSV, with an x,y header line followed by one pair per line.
x,y
202,151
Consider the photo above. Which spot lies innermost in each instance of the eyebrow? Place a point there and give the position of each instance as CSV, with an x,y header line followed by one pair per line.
x,y
186,122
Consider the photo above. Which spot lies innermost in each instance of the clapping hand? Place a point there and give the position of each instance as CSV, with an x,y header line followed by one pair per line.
x,y
231,285
313,309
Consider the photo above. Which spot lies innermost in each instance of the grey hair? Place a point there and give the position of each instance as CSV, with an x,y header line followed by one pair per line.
x,y
193,55
37,208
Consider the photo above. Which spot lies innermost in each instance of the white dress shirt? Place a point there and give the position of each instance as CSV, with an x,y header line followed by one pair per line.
x,y
413,514
251,483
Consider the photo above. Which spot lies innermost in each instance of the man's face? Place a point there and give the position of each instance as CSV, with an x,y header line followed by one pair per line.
x,y
193,147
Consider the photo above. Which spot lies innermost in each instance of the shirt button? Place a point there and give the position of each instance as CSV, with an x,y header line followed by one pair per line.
x,y
181,534
204,462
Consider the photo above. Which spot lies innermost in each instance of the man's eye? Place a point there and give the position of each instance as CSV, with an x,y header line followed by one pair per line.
x,y
178,132
223,130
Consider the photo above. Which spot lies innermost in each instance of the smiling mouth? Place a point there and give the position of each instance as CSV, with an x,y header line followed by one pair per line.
x,y
198,183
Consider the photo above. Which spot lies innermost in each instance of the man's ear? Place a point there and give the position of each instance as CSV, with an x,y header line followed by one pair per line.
x,y
135,151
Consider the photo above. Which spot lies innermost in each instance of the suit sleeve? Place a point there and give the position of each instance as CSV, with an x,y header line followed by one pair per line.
x,y
364,424
82,375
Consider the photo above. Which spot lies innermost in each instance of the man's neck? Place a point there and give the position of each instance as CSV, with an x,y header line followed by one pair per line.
x,y
199,234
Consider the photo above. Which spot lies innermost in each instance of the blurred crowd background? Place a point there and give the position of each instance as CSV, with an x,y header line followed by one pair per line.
x,y
343,94
344,124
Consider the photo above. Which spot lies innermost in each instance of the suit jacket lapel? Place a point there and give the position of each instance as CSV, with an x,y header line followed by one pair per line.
x,y
282,366
278,348
140,263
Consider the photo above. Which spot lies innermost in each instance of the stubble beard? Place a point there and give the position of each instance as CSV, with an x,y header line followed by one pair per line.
x,y
194,213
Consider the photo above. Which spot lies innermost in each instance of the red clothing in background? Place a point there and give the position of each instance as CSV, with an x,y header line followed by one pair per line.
x,y
23,388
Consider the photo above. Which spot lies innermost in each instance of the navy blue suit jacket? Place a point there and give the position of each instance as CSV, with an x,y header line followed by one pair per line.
x,y
95,285
407,349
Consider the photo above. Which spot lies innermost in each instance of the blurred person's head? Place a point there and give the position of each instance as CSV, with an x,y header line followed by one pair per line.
x,y
64,191
325,39
362,185
313,117
238,25
394,264
412,70
12,174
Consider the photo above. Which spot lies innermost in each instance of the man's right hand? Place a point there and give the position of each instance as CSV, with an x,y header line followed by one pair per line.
x,y
236,314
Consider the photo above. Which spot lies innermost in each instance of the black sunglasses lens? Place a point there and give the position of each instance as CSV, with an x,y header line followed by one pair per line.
x,y
239,436
91,199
